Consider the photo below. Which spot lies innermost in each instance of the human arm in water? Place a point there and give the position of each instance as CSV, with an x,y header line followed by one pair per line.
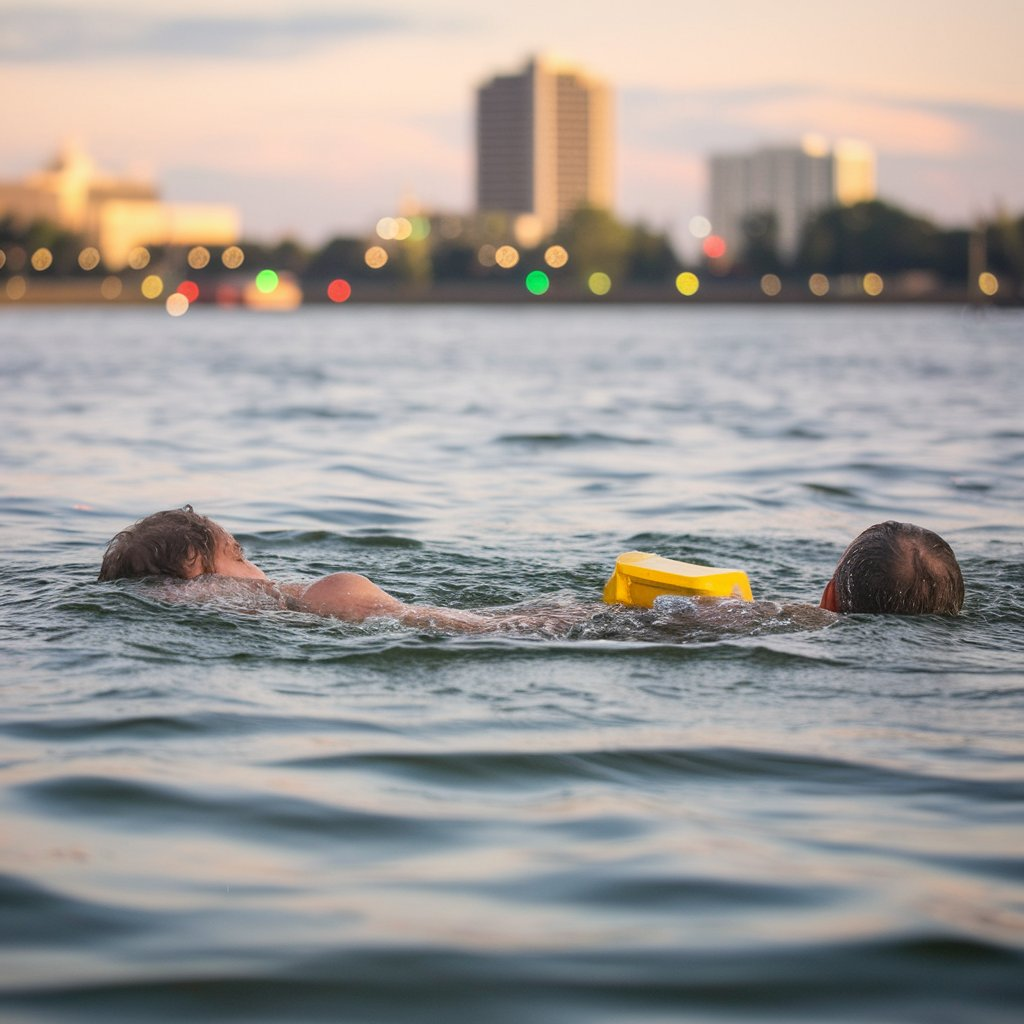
x,y
353,598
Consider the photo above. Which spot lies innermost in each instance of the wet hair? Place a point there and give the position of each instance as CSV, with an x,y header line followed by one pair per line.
x,y
162,544
899,569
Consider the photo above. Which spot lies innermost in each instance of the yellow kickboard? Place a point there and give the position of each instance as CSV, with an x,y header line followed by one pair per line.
x,y
640,577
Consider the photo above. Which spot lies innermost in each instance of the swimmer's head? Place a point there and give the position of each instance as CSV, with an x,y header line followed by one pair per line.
x,y
896,569
178,543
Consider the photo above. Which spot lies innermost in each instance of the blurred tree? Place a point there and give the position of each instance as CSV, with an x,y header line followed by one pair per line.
x,y
1005,246
454,260
651,256
257,254
951,264
340,257
596,241
871,236
760,253
289,255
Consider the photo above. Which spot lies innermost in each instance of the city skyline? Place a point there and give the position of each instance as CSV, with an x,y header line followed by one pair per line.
x,y
319,121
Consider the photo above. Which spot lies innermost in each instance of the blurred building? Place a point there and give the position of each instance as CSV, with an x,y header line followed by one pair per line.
x,y
543,145
114,214
789,184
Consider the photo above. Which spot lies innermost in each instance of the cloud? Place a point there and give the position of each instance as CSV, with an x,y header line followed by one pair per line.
x,y
995,129
891,127
700,121
715,120
37,34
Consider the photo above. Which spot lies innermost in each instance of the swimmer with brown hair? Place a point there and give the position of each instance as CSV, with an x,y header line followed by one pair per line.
x,y
891,568
182,544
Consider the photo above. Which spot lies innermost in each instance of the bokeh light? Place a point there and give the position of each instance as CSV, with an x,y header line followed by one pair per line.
x,y
232,257
198,257
111,287
506,256
387,228
687,283
700,226
284,295
528,230
138,258
189,289
714,247
403,229
771,285
3,259
177,304
556,256
89,258
988,284
873,284
42,259
16,288
537,282
152,286
485,254
599,283
267,281
227,295
375,257
339,290
818,284
420,229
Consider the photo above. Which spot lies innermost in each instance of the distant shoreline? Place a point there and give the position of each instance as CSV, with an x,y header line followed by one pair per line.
x,y
87,292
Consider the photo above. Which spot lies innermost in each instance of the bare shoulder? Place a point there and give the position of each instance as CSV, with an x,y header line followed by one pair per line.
x,y
350,596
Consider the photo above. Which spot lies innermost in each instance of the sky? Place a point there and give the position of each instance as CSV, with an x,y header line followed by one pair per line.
x,y
316,118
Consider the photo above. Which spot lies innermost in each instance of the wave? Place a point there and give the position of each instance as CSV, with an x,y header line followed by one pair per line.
x,y
260,817
908,976
560,439
628,766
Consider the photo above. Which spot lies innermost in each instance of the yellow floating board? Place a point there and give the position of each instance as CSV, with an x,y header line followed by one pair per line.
x,y
640,577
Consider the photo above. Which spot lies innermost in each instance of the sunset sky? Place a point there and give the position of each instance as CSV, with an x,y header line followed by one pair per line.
x,y
317,118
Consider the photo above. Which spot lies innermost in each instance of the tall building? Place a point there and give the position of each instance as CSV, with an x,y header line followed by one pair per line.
x,y
543,144
115,214
791,183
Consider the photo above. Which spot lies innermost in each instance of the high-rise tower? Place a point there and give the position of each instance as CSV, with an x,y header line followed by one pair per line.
x,y
543,143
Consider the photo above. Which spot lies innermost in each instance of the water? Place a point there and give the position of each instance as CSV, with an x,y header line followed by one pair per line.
x,y
220,813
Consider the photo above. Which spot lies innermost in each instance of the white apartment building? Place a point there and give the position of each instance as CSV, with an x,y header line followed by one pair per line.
x,y
790,182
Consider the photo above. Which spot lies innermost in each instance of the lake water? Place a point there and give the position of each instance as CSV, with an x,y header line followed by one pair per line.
x,y
213,813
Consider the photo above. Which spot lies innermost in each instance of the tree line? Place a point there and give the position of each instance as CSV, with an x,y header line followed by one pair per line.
x,y
867,237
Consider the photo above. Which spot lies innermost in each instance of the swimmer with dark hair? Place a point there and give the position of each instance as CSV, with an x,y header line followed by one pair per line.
x,y
891,568
896,569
